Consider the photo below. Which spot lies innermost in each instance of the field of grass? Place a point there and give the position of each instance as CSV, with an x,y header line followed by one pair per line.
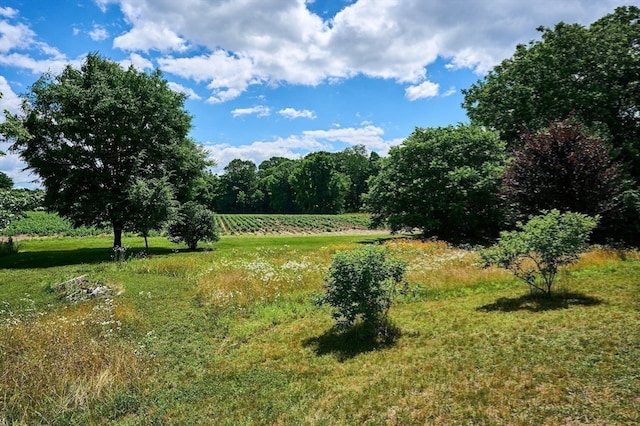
x,y
230,335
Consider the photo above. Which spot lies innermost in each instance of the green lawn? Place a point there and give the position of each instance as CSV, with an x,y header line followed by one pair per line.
x,y
230,335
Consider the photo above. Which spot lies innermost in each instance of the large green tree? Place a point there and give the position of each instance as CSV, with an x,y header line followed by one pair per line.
x,y
273,181
318,185
443,181
591,73
89,133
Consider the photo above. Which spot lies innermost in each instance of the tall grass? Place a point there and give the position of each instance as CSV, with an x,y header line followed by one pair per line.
x,y
59,363
231,336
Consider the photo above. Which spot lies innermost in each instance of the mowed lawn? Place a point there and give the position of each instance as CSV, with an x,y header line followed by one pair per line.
x,y
231,335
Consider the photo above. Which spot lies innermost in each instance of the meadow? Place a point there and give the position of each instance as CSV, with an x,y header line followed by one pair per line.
x,y
230,334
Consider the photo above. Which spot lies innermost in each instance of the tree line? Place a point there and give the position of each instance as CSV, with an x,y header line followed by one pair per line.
x,y
320,183
556,126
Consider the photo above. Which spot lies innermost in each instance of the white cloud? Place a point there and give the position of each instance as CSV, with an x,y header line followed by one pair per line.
x,y
9,101
296,146
260,111
150,36
8,12
15,36
138,61
98,33
13,166
292,113
179,88
274,41
36,66
426,89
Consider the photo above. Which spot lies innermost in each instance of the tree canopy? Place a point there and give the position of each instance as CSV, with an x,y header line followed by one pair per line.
x,y
443,181
89,133
591,73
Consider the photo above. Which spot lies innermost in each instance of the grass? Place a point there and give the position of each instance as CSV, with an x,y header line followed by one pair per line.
x,y
230,335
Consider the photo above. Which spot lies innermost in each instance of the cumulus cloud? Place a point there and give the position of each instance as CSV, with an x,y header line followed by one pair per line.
x,y
10,100
8,12
15,36
138,61
423,90
292,113
98,33
150,36
191,94
16,39
274,41
298,145
260,111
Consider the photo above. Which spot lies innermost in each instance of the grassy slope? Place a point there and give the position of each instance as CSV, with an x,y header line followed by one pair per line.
x,y
473,348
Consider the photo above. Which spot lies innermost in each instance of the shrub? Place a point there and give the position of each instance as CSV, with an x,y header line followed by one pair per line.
x,y
541,246
195,223
362,284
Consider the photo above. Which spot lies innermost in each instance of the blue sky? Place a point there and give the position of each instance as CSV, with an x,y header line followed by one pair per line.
x,y
284,77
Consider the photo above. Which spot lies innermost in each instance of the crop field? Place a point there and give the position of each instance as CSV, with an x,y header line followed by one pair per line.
x,y
48,224
232,224
230,334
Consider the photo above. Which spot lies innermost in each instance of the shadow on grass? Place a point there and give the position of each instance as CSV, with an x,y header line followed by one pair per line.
x,y
348,343
51,258
539,302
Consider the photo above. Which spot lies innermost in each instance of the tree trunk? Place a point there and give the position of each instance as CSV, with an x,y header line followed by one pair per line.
x,y
117,235
146,243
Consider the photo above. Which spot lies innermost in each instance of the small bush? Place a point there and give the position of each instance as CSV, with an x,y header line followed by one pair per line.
x,y
541,246
195,223
362,284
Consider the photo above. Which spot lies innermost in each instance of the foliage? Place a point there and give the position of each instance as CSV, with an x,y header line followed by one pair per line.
x,y
541,246
40,223
5,181
273,175
238,188
318,186
443,181
153,205
14,203
194,223
362,283
90,132
590,72
354,163
563,167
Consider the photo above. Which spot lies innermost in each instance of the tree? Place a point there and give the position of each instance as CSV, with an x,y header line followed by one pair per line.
x,y
443,181
536,251
592,73
318,185
15,202
238,186
563,167
5,181
89,133
194,223
153,205
362,284
354,163
273,180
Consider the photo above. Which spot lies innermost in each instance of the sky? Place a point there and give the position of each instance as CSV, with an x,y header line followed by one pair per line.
x,y
284,78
